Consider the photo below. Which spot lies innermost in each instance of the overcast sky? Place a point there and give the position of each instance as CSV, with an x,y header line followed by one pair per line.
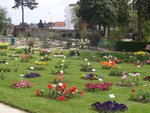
x,y
48,10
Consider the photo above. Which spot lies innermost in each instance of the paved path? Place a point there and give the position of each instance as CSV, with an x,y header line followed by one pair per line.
x,y
7,109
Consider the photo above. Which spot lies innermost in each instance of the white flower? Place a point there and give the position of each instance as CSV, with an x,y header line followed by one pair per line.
x,y
61,71
100,79
21,75
60,84
53,85
93,70
85,59
94,56
63,60
111,96
36,62
16,58
42,58
6,63
88,64
64,57
32,68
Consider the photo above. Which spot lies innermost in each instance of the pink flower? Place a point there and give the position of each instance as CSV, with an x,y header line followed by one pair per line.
x,y
124,77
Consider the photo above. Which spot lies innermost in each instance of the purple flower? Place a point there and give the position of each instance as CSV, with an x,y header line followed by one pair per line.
x,y
32,75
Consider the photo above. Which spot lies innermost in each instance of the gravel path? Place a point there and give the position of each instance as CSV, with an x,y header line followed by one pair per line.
x,y
7,109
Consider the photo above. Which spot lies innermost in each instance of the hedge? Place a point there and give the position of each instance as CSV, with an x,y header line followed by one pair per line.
x,y
130,46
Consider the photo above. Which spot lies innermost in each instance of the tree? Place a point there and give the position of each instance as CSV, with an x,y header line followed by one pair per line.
x,y
142,8
3,18
31,4
103,13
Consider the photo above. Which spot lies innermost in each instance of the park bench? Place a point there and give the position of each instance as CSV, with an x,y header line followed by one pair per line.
x,y
147,48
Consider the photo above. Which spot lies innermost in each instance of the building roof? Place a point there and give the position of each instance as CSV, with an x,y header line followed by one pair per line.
x,y
59,24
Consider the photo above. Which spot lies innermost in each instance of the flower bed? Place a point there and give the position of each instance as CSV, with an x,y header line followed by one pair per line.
x,y
22,84
140,96
108,64
90,76
4,46
44,52
109,107
129,79
87,68
59,92
116,72
98,86
36,68
32,75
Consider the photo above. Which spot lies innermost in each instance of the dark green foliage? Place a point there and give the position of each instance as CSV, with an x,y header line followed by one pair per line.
x,y
131,46
116,72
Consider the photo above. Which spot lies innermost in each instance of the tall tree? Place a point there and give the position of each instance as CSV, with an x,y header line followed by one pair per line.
x,y
103,12
3,18
142,8
31,4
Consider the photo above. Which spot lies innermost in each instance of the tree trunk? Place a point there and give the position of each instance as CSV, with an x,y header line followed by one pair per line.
x,y
22,7
139,22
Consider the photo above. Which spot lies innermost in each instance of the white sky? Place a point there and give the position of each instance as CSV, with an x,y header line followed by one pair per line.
x,y
47,10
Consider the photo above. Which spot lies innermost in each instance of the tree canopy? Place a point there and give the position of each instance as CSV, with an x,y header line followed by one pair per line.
x,y
31,4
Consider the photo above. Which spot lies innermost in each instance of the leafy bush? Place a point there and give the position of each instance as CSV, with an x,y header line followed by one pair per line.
x,y
116,72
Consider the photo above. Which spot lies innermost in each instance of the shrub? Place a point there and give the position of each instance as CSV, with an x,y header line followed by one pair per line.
x,y
116,72
4,46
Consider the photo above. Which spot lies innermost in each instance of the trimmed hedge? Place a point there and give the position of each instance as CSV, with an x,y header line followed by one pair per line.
x,y
130,46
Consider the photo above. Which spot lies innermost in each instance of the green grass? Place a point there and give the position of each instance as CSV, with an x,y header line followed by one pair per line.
x,y
27,100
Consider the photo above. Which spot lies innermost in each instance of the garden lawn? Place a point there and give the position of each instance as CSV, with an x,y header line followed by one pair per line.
x,y
27,100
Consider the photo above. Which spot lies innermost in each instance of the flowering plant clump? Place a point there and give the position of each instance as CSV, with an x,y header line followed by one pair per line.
x,y
108,64
147,78
91,76
61,66
148,62
87,68
22,84
59,55
130,79
3,53
45,58
112,58
140,96
116,72
4,46
141,55
44,52
41,63
59,92
74,52
138,63
109,107
98,86
25,58
32,75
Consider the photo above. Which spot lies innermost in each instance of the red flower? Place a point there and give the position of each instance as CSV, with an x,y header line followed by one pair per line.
x,y
58,89
50,86
64,86
61,98
133,90
38,92
73,89
81,92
